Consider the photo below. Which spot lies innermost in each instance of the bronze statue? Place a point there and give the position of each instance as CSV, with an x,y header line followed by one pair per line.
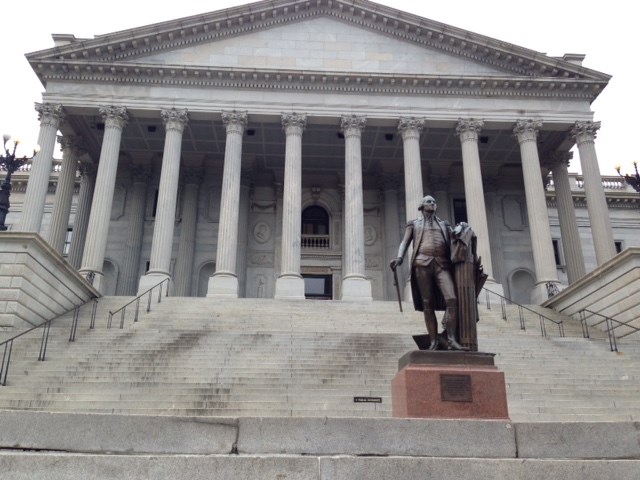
x,y
432,284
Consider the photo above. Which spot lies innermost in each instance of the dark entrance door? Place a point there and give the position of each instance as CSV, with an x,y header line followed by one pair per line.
x,y
318,287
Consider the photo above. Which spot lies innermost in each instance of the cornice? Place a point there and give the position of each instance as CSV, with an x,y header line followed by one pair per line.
x,y
347,82
109,50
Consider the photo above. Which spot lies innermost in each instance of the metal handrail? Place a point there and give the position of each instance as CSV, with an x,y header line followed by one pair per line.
x,y
609,323
44,342
123,309
542,318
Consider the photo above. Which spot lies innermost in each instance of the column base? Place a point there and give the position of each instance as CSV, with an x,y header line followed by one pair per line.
x,y
151,279
356,289
222,285
540,292
289,287
96,280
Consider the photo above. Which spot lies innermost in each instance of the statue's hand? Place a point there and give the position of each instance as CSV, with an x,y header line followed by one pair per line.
x,y
395,263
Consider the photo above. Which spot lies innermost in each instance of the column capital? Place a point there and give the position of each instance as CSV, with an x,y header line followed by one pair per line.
x,y
87,169
527,130
389,182
174,119
468,129
140,173
558,158
235,122
294,123
192,175
114,116
439,183
71,143
410,126
585,131
352,125
50,114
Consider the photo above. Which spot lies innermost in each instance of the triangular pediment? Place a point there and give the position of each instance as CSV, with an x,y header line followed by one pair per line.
x,y
301,40
322,44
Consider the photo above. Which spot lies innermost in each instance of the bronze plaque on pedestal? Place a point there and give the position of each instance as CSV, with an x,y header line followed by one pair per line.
x,y
455,388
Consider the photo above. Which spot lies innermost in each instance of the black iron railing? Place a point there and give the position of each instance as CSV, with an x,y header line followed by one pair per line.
x,y
150,292
542,319
610,325
7,345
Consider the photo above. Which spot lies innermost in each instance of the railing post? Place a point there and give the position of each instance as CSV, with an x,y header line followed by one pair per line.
x,y
93,314
167,293
503,305
110,320
149,302
122,318
543,327
74,325
612,336
584,324
6,358
135,317
44,342
159,293
488,299
521,315
561,328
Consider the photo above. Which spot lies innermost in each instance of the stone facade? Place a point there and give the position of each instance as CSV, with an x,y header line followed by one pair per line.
x,y
241,120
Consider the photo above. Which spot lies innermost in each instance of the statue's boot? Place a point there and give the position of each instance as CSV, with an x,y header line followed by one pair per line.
x,y
452,328
432,329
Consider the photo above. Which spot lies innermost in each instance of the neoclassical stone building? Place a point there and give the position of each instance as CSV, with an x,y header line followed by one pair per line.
x,y
277,149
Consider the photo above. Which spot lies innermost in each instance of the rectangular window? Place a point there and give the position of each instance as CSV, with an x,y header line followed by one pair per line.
x,y
67,242
619,245
318,287
556,252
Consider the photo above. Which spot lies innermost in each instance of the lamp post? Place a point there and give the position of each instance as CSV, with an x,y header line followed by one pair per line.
x,y
632,180
10,163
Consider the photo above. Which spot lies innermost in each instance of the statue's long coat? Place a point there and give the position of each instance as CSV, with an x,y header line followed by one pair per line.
x,y
413,233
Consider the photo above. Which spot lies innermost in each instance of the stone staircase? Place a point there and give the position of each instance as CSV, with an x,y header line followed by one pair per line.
x,y
248,357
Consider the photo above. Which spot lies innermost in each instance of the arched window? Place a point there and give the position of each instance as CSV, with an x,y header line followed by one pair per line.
x,y
315,227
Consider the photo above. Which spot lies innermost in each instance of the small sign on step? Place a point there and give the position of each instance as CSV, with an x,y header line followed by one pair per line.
x,y
367,399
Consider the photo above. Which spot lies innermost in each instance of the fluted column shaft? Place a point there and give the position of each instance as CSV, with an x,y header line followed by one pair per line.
x,y
224,281
603,242
567,217
527,132
243,231
410,128
162,243
290,283
135,229
51,117
392,228
355,286
186,247
292,196
81,221
71,151
473,190
97,231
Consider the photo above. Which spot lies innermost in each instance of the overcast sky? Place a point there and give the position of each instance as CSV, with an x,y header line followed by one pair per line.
x,y
600,30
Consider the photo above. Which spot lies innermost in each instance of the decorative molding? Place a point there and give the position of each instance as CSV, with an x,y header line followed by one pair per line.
x,y
527,130
294,123
352,125
114,116
174,119
469,129
50,114
584,132
235,122
410,127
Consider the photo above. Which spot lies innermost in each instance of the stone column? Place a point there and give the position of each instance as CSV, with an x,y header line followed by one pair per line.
x,y
224,282
491,185
184,263
474,193
85,195
246,179
115,119
355,286
585,134
567,217
51,117
71,151
135,231
527,132
290,284
389,187
162,243
440,191
410,129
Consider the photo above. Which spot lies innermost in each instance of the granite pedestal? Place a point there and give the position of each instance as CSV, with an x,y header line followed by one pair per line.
x,y
449,384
